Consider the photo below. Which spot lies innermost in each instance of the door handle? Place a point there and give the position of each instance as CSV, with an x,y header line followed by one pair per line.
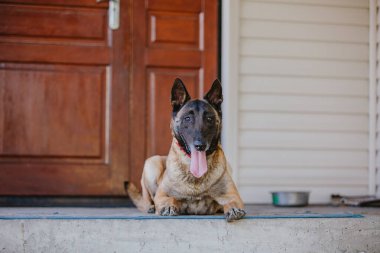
x,y
113,13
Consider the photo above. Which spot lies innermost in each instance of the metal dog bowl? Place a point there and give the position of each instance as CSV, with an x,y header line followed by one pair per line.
x,y
290,198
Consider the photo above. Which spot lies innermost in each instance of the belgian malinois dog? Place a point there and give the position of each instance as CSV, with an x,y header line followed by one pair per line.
x,y
194,178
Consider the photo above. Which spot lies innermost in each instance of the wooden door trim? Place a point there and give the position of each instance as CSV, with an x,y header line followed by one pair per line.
x,y
121,54
48,201
137,100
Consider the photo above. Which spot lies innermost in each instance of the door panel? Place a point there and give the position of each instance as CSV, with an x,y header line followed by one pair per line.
x,y
57,22
63,99
64,117
180,41
173,30
160,81
177,6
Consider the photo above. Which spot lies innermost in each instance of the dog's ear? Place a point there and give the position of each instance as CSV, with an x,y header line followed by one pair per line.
x,y
179,95
214,96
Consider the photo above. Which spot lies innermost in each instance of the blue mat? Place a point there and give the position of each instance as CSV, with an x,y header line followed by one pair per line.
x,y
183,217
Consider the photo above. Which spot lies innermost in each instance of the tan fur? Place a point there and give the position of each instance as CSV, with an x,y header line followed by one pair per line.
x,y
168,185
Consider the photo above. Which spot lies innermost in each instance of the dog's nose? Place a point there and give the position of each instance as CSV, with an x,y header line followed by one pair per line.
x,y
199,146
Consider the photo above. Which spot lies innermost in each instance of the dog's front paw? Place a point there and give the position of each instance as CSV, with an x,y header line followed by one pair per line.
x,y
169,211
234,214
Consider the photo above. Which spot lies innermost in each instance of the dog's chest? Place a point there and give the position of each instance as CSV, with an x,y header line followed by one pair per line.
x,y
195,200
188,191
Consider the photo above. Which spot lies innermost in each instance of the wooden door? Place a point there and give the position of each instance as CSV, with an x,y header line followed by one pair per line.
x,y
82,106
63,98
170,39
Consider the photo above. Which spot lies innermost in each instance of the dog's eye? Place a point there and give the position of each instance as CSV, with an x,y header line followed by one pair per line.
x,y
187,119
209,119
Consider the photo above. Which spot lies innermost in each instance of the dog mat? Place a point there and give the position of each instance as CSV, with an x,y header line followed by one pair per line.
x,y
104,215
249,217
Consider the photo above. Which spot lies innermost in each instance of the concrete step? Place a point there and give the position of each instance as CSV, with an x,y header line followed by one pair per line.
x,y
266,229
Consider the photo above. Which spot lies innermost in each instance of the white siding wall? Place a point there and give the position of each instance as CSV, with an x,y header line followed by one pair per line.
x,y
303,98
377,22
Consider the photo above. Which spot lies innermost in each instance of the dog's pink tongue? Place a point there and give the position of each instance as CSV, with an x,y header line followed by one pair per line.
x,y
198,163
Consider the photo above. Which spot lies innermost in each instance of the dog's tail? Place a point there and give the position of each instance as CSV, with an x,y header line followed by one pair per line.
x,y
142,204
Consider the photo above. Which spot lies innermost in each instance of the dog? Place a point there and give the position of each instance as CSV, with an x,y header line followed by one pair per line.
x,y
195,177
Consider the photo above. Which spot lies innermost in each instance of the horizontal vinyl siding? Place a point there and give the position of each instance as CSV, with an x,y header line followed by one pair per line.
x,y
330,178
303,158
303,67
262,29
303,98
304,49
311,104
333,3
377,172
303,140
304,13
303,86
303,122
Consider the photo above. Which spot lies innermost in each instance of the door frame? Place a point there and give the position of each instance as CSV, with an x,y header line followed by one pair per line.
x,y
230,79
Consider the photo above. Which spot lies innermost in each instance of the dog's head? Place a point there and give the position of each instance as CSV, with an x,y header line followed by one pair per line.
x,y
196,123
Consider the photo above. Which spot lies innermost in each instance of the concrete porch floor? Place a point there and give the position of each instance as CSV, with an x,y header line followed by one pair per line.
x,y
121,230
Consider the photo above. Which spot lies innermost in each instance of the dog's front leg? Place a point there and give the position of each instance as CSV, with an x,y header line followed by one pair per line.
x,y
233,206
165,205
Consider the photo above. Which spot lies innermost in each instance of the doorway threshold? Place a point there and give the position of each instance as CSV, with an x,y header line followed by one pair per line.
x,y
69,201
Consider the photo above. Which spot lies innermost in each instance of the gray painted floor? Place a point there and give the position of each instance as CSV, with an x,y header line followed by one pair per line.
x,y
75,233
252,210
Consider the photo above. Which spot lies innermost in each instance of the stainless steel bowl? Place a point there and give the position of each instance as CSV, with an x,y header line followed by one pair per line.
x,y
290,198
